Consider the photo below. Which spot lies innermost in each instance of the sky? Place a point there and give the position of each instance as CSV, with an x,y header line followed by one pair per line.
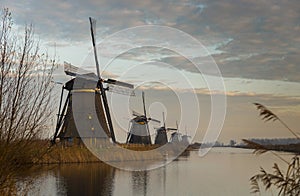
x,y
255,45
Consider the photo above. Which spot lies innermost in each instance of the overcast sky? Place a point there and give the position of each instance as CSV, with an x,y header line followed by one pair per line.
x,y
256,45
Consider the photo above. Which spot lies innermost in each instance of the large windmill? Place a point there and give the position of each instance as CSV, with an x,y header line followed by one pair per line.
x,y
139,130
87,85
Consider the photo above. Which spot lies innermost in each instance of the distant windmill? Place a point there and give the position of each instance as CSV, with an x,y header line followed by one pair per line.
x,y
176,136
161,137
139,130
185,138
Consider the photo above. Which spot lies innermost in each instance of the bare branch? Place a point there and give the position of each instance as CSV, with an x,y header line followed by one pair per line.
x,y
25,97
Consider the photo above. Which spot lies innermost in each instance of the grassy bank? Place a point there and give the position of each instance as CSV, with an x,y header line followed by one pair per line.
x,y
59,154
293,148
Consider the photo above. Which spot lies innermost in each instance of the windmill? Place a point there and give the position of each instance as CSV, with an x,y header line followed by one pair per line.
x,y
139,130
90,85
176,136
161,133
185,138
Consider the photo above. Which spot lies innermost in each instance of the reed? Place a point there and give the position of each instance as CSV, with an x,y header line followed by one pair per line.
x,y
287,182
268,115
60,154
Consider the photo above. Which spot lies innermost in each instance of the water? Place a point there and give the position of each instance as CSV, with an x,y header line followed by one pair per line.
x,y
223,171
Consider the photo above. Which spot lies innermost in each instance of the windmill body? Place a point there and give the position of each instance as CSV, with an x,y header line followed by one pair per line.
x,y
161,136
176,137
139,130
185,140
139,133
66,129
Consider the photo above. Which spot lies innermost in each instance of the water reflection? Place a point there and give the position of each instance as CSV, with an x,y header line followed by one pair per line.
x,y
139,182
220,172
87,179
73,179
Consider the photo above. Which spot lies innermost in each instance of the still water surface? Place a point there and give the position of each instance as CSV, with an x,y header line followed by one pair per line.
x,y
223,171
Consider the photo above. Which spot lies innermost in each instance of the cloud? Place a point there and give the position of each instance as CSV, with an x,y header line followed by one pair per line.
x,y
263,34
57,44
264,28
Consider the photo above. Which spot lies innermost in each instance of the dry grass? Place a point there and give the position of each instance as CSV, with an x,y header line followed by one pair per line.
x,y
268,115
17,157
139,147
59,154
287,182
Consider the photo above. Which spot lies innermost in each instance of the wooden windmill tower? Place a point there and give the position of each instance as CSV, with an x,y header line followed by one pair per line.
x,y
90,88
176,136
139,130
161,137
185,138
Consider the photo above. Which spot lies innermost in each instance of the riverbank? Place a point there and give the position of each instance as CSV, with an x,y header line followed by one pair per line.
x,y
292,148
59,154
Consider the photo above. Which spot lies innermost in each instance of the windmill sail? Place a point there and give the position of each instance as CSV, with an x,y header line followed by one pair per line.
x,y
119,83
120,90
70,69
73,70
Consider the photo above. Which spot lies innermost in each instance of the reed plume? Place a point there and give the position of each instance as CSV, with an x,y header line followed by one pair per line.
x,y
288,183
268,115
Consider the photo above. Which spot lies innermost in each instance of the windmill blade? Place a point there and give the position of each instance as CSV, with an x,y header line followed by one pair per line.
x,y
120,90
164,120
152,119
144,107
171,129
93,26
72,70
145,114
119,83
103,94
134,113
57,82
